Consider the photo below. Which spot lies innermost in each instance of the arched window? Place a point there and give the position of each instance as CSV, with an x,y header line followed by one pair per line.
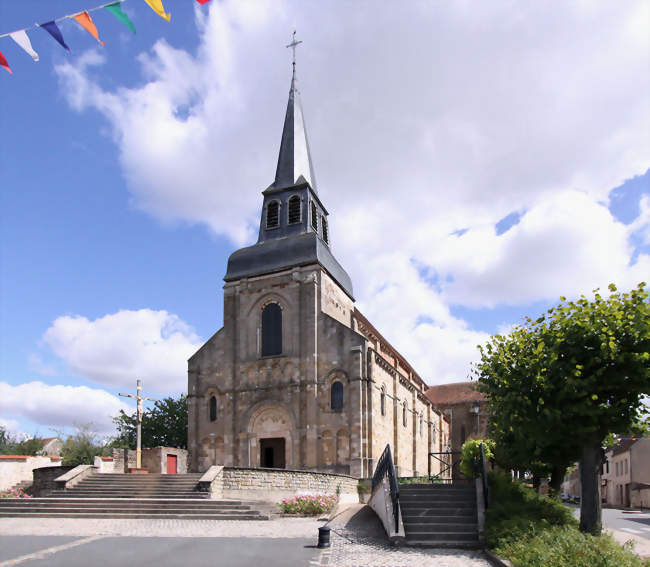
x,y
294,210
272,330
421,426
314,216
323,222
463,435
337,395
272,214
404,418
213,408
382,401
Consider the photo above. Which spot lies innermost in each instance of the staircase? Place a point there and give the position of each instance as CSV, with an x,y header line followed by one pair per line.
x,y
439,515
131,496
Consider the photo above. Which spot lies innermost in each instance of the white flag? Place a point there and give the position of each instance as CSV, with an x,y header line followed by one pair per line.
x,y
21,38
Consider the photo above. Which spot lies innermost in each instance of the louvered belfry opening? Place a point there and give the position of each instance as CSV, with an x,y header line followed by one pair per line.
x,y
272,330
294,210
272,214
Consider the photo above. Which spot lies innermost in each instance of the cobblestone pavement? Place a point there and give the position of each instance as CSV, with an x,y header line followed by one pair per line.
x,y
358,540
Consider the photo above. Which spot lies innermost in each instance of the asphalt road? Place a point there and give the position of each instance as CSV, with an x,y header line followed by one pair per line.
x,y
628,521
53,551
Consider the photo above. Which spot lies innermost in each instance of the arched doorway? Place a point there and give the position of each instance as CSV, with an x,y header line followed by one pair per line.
x,y
270,436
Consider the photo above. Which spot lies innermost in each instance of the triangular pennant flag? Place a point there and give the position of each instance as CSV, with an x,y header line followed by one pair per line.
x,y
116,10
157,6
55,32
202,1
85,21
21,38
3,63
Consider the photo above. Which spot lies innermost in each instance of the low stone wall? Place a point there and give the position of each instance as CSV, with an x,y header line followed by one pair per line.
x,y
640,498
44,478
154,459
17,468
104,464
272,485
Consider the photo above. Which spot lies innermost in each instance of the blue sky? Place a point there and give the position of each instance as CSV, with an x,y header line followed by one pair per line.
x,y
449,145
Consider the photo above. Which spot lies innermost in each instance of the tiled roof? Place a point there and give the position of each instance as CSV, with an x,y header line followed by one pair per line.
x,y
456,393
624,445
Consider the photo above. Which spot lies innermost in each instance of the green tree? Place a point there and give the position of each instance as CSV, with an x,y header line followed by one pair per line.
x,y
82,446
164,425
559,385
10,445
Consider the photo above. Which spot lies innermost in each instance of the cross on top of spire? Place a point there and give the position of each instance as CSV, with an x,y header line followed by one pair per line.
x,y
293,46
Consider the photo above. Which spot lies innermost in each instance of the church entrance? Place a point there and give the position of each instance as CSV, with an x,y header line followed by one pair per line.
x,y
272,453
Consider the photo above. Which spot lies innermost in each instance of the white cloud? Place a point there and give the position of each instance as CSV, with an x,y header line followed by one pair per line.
x,y
60,406
424,118
118,348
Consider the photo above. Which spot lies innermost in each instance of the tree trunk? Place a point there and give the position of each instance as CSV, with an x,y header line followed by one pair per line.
x,y
557,476
590,508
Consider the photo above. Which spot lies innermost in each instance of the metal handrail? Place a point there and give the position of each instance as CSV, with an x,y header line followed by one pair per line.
x,y
385,468
484,477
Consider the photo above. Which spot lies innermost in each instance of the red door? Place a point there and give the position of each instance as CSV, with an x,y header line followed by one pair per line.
x,y
171,464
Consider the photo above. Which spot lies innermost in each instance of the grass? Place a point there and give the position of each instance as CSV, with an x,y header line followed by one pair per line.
x,y
536,531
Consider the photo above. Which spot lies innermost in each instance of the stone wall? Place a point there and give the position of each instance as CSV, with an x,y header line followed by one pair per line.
x,y
44,478
18,468
274,484
154,459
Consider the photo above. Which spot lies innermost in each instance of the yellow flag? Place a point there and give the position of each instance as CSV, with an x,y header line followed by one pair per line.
x,y
157,6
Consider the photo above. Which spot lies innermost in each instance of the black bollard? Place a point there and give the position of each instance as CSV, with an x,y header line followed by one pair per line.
x,y
323,537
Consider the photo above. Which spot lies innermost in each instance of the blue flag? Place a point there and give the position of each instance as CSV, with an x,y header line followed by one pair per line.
x,y
55,32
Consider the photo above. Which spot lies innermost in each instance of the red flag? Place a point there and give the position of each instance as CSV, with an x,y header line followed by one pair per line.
x,y
3,63
202,1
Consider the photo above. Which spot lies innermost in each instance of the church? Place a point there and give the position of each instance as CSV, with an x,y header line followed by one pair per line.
x,y
297,377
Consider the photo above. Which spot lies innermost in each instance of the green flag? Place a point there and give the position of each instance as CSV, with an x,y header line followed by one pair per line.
x,y
115,9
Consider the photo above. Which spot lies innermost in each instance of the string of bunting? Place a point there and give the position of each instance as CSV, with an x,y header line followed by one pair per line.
x,y
85,21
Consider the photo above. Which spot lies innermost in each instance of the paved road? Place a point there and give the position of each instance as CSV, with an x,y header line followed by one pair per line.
x,y
627,521
357,539
49,551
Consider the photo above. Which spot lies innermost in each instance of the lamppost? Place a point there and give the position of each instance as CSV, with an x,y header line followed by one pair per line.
x,y
475,410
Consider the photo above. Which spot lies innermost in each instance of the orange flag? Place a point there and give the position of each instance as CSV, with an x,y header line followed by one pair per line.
x,y
84,20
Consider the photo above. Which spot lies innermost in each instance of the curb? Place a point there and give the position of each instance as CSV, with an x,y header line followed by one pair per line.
x,y
496,560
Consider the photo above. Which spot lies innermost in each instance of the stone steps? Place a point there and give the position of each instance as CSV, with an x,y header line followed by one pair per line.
x,y
439,515
125,508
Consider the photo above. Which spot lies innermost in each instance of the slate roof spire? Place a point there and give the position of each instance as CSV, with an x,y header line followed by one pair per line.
x,y
294,161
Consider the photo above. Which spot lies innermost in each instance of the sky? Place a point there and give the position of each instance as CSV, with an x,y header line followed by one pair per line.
x,y
478,160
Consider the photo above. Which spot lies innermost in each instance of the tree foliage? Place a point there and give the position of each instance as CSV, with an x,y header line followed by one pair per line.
x,y
11,445
164,425
82,446
558,385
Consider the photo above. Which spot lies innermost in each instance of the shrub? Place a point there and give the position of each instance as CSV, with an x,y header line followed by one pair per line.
x,y
566,546
14,493
536,531
516,511
471,455
310,504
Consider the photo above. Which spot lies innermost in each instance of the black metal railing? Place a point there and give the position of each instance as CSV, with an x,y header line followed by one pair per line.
x,y
484,477
447,465
385,468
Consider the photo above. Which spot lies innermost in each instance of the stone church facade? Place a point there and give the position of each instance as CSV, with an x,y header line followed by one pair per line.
x,y
297,377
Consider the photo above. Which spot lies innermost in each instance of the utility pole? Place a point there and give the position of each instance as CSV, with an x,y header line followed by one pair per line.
x,y
138,398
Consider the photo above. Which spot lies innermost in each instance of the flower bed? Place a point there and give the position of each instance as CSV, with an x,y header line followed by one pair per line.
x,y
308,504
14,493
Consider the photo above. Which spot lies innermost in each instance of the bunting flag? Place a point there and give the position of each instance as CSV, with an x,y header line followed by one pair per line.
x,y
157,6
202,1
86,22
116,10
22,39
3,63
55,32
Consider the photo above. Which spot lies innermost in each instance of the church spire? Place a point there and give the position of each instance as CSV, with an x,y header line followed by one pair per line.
x,y
294,161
